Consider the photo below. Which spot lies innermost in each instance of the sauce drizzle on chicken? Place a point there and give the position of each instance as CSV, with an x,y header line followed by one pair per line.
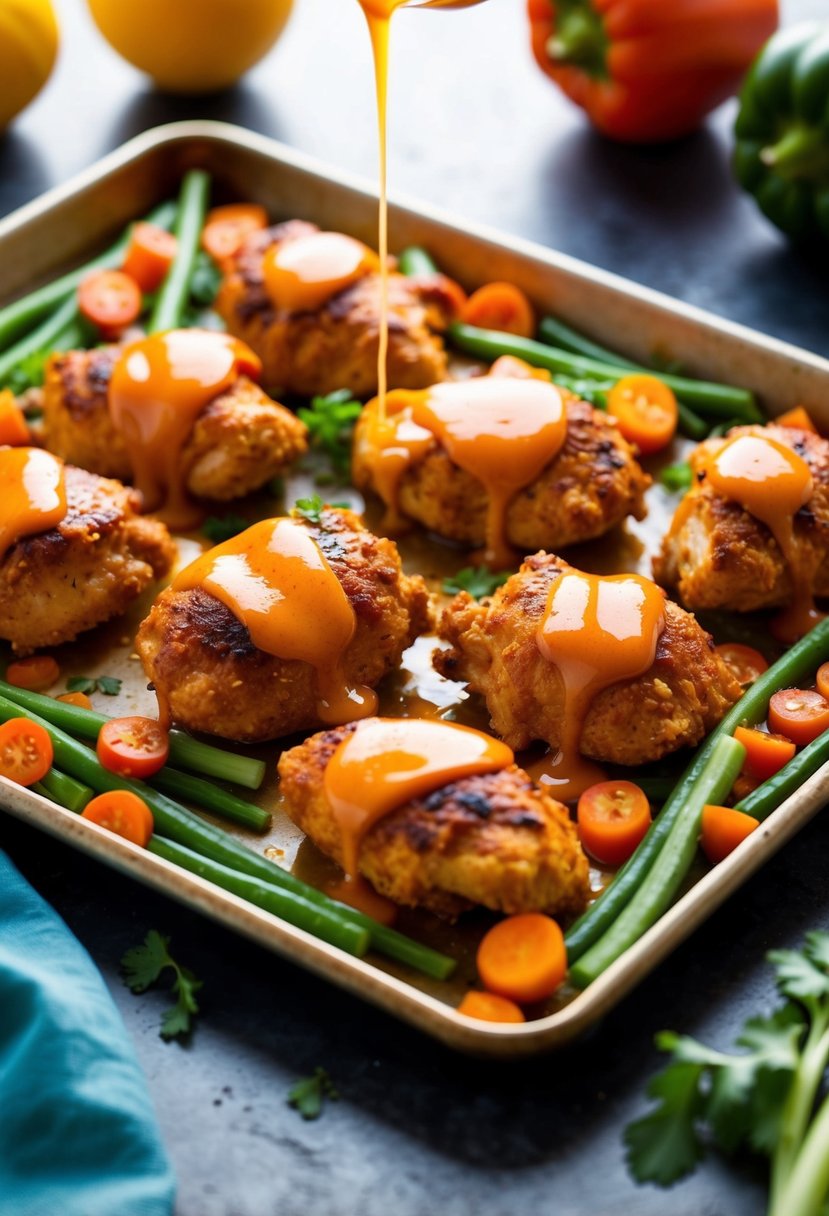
x,y
388,762
34,493
597,631
159,386
275,579
301,274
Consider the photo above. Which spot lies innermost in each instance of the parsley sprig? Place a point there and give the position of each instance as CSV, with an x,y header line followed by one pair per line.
x,y
313,507
477,580
143,966
330,421
309,1094
110,686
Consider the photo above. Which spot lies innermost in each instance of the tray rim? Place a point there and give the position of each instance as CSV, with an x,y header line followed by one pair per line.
x,y
362,978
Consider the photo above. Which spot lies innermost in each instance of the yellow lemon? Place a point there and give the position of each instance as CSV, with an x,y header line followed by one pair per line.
x,y
191,46
28,46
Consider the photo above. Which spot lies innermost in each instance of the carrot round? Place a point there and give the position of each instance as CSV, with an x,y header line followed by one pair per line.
x,y
25,751
76,698
765,754
645,409
488,1007
122,812
744,662
523,958
613,817
801,714
226,228
502,307
111,300
798,417
14,430
37,673
723,829
150,254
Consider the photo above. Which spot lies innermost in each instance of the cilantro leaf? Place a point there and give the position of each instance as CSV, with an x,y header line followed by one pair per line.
x,y
223,527
664,1146
477,580
143,966
313,507
308,1095
802,976
110,686
330,421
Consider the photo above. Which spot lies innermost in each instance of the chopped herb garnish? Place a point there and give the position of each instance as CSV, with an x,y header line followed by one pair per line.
x,y
477,580
312,508
308,1095
330,421
110,686
223,527
143,965
205,279
29,373
678,476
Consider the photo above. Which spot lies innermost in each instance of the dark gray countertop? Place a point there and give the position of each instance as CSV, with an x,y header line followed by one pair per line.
x,y
477,129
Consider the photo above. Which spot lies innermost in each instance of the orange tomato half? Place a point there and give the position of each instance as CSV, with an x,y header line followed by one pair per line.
x,y
612,817
646,411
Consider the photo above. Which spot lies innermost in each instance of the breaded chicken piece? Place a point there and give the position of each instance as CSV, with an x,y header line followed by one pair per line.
x,y
682,697
592,484
240,440
494,839
89,568
201,658
336,345
717,555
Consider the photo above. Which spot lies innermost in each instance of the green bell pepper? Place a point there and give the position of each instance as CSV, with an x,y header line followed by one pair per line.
x,y
782,153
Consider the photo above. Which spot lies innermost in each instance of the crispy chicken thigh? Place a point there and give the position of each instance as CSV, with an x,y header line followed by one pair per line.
x,y
335,346
240,440
717,555
87,569
495,839
681,697
202,660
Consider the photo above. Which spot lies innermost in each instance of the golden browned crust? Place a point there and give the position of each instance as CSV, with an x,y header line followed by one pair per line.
x,y
717,555
593,484
202,660
56,584
76,422
681,697
336,345
495,840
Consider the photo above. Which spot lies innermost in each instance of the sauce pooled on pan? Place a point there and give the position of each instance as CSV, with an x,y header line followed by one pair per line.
x,y
275,579
301,274
597,631
32,494
159,386
772,483
388,762
503,431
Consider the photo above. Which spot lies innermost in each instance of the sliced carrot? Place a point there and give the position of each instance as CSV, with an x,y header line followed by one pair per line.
x,y
723,829
226,228
14,430
646,411
822,680
490,1008
523,957
798,417
111,300
744,662
25,751
133,747
149,256
765,754
500,306
37,673
613,817
122,812
76,698
801,714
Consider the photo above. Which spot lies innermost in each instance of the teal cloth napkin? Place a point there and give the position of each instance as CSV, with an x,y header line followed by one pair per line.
x,y
78,1135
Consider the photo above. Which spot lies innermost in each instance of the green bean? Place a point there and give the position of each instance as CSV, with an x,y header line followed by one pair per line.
x,y
716,400
182,826
18,317
767,797
185,751
674,861
804,656
40,339
64,790
211,797
314,919
415,260
174,294
556,333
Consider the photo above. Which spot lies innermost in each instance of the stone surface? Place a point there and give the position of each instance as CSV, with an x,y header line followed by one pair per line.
x,y
418,1130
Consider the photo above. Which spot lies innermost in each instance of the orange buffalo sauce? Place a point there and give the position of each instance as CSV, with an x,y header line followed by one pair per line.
x,y
772,483
32,494
274,578
159,386
597,631
387,762
300,275
501,430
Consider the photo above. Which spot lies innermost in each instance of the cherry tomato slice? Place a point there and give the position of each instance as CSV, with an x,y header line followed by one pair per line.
x,y
646,411
822,680
799,714
36,673
612,819
744,662
111,300
25,751
226,228
122,812
133,747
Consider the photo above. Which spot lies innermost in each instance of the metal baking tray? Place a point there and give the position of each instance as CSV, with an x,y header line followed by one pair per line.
x,y
69,223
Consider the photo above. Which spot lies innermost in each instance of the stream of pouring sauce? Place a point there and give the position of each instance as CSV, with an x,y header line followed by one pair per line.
x,y
598,631
32,494
159,386
275,579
